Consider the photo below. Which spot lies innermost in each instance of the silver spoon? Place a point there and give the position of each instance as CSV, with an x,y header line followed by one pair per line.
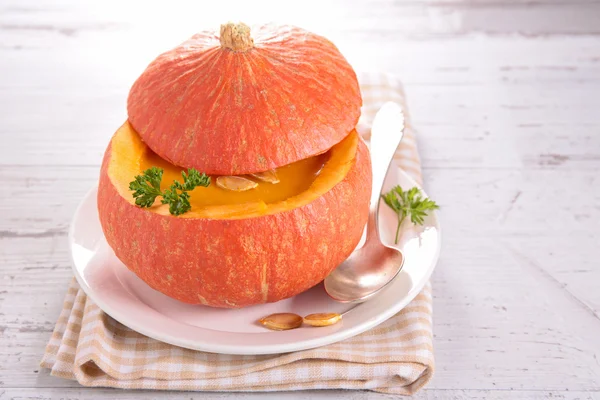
x,y
372,267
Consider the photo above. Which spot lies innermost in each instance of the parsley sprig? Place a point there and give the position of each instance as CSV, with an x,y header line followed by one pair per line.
x,y
408,203
146,188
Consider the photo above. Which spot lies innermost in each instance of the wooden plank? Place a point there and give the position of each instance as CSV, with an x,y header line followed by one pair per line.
x,y
30,305
42,200
513,321
411,18
78,393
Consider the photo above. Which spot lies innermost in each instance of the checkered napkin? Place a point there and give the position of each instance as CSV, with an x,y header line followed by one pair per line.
x,y
395,357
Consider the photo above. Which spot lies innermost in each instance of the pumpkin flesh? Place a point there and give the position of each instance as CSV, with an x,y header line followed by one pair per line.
x,y
300,182
294,179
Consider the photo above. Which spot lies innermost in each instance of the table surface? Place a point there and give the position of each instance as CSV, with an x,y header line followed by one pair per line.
x,y
506,98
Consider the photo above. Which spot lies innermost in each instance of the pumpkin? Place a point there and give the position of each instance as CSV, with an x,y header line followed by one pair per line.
x,y
233,104
278,107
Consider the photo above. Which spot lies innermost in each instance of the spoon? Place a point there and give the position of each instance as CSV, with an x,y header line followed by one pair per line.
x,y
373,266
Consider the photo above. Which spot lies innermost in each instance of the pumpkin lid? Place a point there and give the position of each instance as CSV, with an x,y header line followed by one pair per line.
x,y
240,102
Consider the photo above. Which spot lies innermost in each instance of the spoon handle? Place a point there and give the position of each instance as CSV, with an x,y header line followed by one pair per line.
x,y
386,134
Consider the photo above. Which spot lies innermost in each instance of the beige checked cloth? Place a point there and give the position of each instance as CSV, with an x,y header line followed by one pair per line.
x,y
395,357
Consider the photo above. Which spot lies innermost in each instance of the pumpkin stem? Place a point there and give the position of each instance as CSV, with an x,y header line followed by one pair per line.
x,y
236,37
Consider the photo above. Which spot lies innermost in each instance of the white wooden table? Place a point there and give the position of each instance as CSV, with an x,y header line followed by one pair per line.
x,y
505,94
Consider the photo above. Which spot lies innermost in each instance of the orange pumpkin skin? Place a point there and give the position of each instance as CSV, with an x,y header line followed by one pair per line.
x,y
224,112
238,262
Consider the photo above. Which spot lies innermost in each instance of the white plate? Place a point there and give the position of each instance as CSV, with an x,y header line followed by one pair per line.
x,y
126,298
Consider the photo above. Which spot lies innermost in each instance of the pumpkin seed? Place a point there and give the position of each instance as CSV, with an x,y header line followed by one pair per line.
x,y
235,183
267,176
322,319
281,321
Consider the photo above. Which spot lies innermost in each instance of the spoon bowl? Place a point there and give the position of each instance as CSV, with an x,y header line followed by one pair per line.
x,y
364,273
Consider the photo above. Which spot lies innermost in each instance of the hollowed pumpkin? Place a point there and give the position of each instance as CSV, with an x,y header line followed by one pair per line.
x,y
235,249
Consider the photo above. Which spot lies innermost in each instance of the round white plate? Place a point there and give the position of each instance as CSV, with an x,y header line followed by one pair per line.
x,y
126,298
